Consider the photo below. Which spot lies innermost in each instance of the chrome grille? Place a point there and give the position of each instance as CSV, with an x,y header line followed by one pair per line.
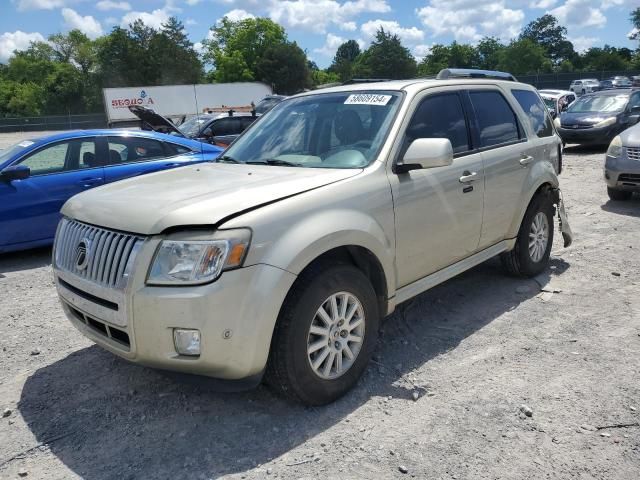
x,y
633,153
95,254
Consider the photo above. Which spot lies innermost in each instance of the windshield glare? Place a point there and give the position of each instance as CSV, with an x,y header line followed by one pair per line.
x,y
599,103
333,130
191,127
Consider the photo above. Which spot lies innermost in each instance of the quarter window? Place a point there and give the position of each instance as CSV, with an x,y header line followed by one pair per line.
x,y
536,112
497,123
441,116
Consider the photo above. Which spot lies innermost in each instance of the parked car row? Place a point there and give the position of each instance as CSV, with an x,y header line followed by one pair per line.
x,y
590,85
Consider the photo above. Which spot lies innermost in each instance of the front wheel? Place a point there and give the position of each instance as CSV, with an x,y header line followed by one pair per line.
x,y
535,238
618,195
325,335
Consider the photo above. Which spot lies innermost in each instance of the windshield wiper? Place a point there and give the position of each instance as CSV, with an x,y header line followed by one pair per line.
x,y
227,159
275,161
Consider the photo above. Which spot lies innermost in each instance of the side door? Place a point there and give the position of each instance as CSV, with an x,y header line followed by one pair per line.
x,y
438,211
30,208
129,156
632,111
542,139
507,157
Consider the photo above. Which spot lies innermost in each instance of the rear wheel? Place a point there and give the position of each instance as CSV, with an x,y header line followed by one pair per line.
x,y
535,238
325,335
618,194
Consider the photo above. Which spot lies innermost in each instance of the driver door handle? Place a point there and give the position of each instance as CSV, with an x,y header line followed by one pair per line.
x,y
526,160
468,177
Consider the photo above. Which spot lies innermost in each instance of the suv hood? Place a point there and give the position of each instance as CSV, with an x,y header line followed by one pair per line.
x,y
203,194
157,122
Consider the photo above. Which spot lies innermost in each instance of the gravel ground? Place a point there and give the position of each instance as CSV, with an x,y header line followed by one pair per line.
x,y
483,377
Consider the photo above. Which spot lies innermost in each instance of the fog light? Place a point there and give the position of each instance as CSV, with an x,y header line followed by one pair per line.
x,y
187,342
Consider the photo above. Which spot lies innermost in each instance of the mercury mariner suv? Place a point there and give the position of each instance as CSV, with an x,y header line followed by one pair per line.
x,y
280,260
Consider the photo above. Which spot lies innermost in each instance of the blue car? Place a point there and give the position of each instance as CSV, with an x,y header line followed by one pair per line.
x,y
38,176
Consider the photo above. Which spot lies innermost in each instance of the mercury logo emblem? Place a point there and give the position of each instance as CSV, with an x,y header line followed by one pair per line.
x,y
82,254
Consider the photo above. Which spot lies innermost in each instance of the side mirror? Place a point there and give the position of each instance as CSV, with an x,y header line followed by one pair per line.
x,y
15,172
426,153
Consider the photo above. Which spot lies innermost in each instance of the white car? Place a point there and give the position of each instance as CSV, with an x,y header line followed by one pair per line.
x,y
557,101
585,85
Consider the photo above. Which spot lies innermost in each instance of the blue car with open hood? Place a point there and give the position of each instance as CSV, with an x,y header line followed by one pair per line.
x,y
38,176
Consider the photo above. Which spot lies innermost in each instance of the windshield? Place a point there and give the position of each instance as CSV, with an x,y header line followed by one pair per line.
x,y
13,150
599,103
332,130
191,128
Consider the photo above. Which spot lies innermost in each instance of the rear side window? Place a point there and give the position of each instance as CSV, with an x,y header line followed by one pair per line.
x,y
227,126
536,112
175,149
497,123
133,149
441,116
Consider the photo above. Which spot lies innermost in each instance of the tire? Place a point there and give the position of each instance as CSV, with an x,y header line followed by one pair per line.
x,y
289,369
618,195
522,261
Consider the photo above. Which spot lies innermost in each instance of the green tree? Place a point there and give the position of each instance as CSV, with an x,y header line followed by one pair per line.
x,y
386,57
247,39
489,49
551,36
635,21
606,58
456,55
284,65
342,64
524,56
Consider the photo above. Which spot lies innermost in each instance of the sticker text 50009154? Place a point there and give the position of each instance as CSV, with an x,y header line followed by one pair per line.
x,y
367,99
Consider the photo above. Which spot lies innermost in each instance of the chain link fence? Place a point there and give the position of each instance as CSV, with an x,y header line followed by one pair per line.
x,y
562,81
53,122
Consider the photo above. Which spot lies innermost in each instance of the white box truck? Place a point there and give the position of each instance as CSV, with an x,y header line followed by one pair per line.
x,y
179,101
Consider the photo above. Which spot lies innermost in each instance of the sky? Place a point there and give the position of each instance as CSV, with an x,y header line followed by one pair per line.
x,y
320,26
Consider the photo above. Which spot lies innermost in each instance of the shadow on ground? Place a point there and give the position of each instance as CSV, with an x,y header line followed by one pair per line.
x,y
105,418
24,260
629,207
585,149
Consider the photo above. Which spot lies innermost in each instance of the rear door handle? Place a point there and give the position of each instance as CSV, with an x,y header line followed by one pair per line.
x,y
90,182
468,177
526,160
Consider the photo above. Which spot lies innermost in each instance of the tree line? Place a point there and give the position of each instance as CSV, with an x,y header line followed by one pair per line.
x,y
66,74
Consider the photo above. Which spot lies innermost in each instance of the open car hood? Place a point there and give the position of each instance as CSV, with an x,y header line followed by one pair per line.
x,y
155,121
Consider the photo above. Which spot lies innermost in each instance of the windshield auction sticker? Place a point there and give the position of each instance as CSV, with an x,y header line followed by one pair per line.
x,y
367,99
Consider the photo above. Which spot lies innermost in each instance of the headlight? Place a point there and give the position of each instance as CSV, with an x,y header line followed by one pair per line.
x,y
605,123
615,147
556,122
199,261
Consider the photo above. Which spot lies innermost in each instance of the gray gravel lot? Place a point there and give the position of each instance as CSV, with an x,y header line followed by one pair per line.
x,y
477,352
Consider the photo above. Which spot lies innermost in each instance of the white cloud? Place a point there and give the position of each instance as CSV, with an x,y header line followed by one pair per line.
x,y
421,51
581,44
198,47
106,5
316,15
470,20
40,4
190,21
576,13
87,25
331,44
193,2
238,14
544,4
410,35
17,40
153,19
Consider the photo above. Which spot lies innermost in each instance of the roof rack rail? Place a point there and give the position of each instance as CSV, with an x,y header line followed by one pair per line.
x,y
473,73
365,80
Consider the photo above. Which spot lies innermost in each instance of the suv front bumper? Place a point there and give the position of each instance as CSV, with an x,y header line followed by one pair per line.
x,y
235,316
622,173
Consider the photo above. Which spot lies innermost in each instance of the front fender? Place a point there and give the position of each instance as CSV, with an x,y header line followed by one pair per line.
x,y
313,235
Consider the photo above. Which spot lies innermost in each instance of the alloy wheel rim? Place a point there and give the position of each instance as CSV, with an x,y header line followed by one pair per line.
x,y
538,237
336,335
